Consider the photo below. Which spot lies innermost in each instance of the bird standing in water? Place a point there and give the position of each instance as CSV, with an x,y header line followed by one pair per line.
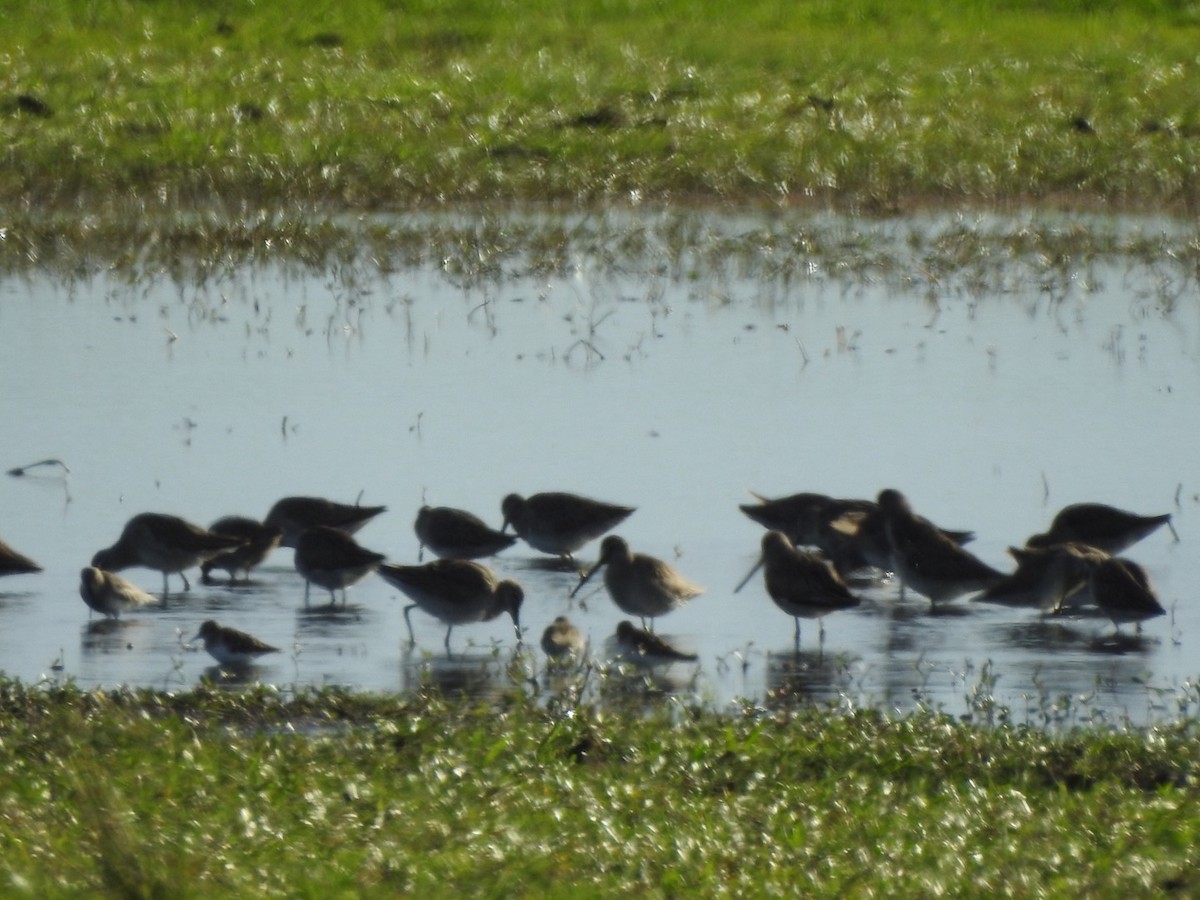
x,y
640,585
801,583
560,523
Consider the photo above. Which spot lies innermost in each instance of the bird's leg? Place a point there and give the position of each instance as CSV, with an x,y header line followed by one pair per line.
x,y
411,639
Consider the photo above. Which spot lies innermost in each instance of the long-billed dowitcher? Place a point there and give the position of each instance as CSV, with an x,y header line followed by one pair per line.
x,y
14,563
455,591
294,515
166,543
259,541
562,640
330,558
802,517
1045,577
646,646
109,594
457,534
927,561
801,583
231,647
640,585
560,523
1099,525
850,532
1122,590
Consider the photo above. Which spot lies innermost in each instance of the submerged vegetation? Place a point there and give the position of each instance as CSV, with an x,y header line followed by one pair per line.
x,y
149,794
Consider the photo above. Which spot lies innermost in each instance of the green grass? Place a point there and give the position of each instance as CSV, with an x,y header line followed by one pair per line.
x,y
144,794
367,104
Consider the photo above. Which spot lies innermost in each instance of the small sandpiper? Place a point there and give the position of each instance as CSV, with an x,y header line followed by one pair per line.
x,y
294,515
455,591
259,540
14,563
801,583
457,534
231,647
330,558
1101,526
166,543
562,640
109,594
560,523
640,585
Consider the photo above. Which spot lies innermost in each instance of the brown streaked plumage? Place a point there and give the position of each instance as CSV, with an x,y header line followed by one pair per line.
x,y
801,583
1122,590
455,591
231,647
1099,525
562,640
1045,577
259,540
163,542
330,558
560,523
646,646
640,585
294,515
927,561
457,534
109,594
14,563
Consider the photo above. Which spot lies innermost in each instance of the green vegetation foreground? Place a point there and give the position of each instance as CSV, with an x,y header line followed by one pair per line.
x,y
366,104
144,794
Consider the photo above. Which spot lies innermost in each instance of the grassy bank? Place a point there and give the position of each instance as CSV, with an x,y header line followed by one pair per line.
x,y
201,793
366,104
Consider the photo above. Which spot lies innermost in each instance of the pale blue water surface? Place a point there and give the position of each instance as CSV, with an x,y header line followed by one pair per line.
x,y
677,391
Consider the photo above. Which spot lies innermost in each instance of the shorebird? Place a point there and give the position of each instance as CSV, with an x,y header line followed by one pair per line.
x,y
457,534
109,594
455,591
851,533
801,583
640,585
259,540
14,563
166,543
231,647
1122,590
926,560
561,640
330,558
1098,525
646,646
294,515
560,523
1045,577
802,517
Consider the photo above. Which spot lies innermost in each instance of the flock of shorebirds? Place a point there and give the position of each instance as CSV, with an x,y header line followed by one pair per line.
x,y
814,548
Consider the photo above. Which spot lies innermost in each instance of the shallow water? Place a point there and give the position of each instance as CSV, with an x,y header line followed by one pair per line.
x,y
676,392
